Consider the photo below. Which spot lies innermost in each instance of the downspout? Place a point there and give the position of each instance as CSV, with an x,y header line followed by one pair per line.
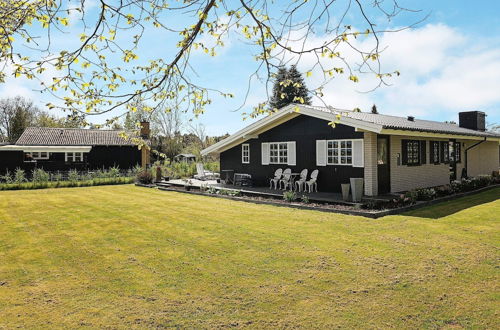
x,y
467,149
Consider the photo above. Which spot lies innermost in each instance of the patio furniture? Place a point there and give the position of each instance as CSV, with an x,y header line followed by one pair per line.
x,y
277,177
242,179
203,174
228,178
357,189
301,182
285,179
291,183
312,184
345,191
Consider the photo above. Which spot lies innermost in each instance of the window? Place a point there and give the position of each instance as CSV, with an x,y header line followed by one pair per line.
x,y
245,153
38,155
411,152
435,152
458,154
445,152
278,153
382,155
339,152
74,157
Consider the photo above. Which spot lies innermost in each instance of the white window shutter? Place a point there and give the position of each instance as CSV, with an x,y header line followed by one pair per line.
x,y
265,153
358,159
292,155
321,152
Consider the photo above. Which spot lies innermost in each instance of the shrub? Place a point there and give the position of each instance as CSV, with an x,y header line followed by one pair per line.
x,y
145,177
228,192
425,194
57,176
113,172
7,177
304,199
39,175
289,196
211,190
19,176
73,175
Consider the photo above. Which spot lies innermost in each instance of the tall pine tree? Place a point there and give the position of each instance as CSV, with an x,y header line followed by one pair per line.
x,y
289,87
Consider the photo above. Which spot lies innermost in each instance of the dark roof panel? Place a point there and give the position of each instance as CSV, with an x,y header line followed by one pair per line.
x,y
71,137
402,123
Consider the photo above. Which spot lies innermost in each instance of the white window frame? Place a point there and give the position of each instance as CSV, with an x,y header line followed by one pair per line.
x,y
39,155
281,159
339,152
72,158
245,153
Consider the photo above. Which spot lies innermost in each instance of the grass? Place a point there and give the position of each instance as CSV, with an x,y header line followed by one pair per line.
x,y
131,257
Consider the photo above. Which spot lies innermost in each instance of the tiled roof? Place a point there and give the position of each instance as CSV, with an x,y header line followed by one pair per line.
x,y
402,123
71,137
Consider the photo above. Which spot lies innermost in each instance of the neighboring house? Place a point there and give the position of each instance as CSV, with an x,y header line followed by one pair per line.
x,y
60,149
392,154
185,158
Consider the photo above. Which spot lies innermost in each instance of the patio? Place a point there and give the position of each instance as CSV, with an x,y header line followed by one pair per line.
x,y
321,197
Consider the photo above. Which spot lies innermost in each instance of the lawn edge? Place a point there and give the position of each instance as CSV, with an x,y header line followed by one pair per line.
x,y
372,215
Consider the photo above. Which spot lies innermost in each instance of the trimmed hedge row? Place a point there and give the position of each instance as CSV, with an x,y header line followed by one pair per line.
x,y
66,184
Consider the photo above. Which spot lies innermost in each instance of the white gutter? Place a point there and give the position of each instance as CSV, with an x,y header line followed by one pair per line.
x,y
46,148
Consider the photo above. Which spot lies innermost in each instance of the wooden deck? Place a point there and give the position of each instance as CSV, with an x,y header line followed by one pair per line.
x,y
321,197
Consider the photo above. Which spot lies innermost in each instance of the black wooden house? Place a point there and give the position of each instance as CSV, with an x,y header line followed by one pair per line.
x,y
62,149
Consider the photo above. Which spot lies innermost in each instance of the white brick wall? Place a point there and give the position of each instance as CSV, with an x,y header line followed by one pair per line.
x,y
371,182
411,177
483,158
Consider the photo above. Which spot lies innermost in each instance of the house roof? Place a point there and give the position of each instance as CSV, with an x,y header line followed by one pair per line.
x,y
36,136
378,123
402,123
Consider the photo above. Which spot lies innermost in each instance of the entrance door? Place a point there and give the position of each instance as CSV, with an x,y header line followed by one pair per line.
x,y
383,170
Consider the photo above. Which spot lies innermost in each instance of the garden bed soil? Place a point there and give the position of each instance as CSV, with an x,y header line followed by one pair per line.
x,y
326,207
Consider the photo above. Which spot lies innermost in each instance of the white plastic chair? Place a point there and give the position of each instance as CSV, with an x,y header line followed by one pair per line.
x,y
277,177
312,184
285,180
300,182
203,174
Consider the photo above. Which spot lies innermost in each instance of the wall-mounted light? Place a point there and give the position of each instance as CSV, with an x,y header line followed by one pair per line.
x,y
398,159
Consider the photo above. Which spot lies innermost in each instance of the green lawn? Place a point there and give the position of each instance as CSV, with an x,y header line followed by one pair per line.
x,y
123,256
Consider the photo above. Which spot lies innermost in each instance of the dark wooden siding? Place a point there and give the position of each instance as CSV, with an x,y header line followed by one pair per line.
x,y
10,160
305,131
100,157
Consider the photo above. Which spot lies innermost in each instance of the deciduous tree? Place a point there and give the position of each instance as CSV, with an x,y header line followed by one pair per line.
x,y
109,67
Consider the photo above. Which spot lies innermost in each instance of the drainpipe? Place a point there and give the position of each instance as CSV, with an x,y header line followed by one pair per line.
x,y
467,149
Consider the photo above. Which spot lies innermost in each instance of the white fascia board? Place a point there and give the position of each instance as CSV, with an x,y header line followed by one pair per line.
x,y
47,148
345,120
436,135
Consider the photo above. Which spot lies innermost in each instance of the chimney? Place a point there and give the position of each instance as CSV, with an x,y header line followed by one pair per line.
x,y
145,131
411,118
472,120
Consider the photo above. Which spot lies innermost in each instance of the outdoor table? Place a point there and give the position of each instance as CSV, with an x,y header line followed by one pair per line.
x,y
242,179
228,179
